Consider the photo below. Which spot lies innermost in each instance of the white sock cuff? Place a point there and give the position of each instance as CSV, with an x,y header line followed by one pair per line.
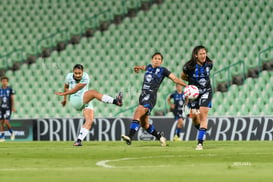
x,y
107,99
83,133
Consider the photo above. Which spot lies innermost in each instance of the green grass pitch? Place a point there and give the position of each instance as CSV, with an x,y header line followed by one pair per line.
x,y
143,161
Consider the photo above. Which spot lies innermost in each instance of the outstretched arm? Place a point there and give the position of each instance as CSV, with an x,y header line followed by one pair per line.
x,y
66,86
177,80
138,68
71,91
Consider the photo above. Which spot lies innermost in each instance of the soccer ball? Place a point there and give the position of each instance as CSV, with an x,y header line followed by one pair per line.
x,y
191,92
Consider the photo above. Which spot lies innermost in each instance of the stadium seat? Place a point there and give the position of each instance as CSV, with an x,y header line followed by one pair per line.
x,y
111,55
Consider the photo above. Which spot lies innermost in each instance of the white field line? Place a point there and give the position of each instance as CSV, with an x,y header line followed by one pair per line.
x,y
105,163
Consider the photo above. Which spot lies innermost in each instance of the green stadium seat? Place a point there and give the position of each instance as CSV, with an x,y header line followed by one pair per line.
x,y
164,27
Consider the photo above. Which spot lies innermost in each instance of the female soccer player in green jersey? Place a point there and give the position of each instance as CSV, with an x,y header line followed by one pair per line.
x,y
76,85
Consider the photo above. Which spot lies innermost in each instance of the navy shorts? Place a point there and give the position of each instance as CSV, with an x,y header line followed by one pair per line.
x,y
5,114
203,100
178,114
147,101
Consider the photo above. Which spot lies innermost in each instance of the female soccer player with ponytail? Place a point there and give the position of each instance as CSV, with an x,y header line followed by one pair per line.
x,y
197,72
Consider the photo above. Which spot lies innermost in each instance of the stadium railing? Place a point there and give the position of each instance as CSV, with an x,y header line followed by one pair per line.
x,y
95,21
225,74
15,56
51,40
265,56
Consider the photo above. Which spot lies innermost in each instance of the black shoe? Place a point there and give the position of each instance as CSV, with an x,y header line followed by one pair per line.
x,y
77,144
126,139
118,100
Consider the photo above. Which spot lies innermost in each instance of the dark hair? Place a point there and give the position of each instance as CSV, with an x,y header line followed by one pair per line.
x,y
78,66
157,53
192,62
4,78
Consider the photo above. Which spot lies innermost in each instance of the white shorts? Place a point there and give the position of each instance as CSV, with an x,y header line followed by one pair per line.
x,y
77,102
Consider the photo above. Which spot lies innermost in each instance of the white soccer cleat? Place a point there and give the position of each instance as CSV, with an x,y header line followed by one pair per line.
x,y
126,139
199,147
176,138
162,141
12,136
2,139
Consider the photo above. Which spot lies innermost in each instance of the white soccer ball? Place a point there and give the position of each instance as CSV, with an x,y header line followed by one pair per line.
x,y
191,92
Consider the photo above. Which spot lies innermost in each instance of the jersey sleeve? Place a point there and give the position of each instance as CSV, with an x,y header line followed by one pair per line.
x,y
166,72
185,69
211,66
66,81
171,96
147,67
12,91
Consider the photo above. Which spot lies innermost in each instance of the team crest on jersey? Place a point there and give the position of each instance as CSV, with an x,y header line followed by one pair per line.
x,y
180,102
202,82
207,70
148,78
157,71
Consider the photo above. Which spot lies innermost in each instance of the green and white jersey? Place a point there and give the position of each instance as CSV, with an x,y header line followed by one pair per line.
x,y
76,99
69,80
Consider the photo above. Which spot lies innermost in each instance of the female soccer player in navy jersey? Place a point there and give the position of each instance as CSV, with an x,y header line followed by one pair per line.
x,y
7,100
153,77
197,72
177,107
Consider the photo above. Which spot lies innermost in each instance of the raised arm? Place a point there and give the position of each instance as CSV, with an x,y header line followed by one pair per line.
x,y
177,80
138,68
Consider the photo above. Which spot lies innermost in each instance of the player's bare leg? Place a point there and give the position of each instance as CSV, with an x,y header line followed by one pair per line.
x,y
203,127
89,118
93,94
194,114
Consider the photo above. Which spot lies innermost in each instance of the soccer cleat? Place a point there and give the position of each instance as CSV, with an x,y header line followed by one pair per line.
x,y
77,144
199,147
176,138
2,139
162,140
12,136
126,139
118,100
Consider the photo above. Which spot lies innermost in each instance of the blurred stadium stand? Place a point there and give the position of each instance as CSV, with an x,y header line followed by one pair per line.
x,y
231,30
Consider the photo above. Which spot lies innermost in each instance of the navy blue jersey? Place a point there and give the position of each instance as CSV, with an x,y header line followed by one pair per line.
x,y
153,78
5,97
199,76
178,100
